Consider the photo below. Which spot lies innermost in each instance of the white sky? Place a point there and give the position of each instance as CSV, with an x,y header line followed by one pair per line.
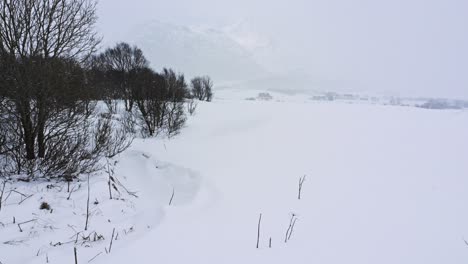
x,y
407,47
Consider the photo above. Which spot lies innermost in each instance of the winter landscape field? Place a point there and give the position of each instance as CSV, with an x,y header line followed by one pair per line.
x,y
383,184
233,132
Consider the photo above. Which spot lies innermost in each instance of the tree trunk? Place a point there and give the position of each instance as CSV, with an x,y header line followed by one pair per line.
x,y
29,141
41,141
28,135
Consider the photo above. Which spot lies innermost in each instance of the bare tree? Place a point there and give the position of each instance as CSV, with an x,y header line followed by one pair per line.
x,y
196,85
202,88
160,100
44,42
150,99
176,93
48,28
121,62
207,88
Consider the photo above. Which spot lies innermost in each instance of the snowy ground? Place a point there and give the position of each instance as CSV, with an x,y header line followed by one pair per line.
x,y
384,184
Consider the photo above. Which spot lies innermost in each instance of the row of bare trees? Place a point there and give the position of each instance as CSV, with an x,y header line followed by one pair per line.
x,y
52,83
156,99
43,105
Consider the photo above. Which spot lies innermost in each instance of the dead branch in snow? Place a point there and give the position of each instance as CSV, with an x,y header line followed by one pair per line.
x,y
73,190
301,181
87,209
94,257
14,242
80,238
110,173
172,196
130,230
290,227
125,189
19,224
20,193
76,257
258,230
112,239
1,194
25,198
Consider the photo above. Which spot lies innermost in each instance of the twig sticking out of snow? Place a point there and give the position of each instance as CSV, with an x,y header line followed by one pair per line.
x,y
87,209
19,224
1,194
80,238
25,198
112,239
258,230
172,196
290,229
72,190
123,186
94,257
76,257
110,172
301,181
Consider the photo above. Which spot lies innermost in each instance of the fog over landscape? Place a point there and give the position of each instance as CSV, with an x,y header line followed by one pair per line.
x,y
401,48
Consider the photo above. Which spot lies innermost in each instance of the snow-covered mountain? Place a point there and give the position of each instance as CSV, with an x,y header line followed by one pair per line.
x,y
195,51
262,46
235,56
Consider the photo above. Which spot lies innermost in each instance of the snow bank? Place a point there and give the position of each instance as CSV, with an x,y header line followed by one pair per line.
x,y
50,235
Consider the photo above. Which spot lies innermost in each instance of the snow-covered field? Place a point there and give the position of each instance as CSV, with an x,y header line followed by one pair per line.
x,y
384,184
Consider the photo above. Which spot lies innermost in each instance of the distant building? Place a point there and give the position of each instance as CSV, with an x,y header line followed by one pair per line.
x,y
264,96
319,98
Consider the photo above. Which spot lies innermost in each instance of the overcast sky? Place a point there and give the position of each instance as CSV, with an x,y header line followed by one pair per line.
x,y
407,47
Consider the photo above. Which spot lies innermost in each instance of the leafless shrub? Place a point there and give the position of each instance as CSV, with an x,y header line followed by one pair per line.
x,y
175,118
111,138
129,123
191,106
202,88
112,105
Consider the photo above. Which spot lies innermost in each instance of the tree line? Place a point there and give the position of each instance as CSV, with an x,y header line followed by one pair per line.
x,y
64,106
